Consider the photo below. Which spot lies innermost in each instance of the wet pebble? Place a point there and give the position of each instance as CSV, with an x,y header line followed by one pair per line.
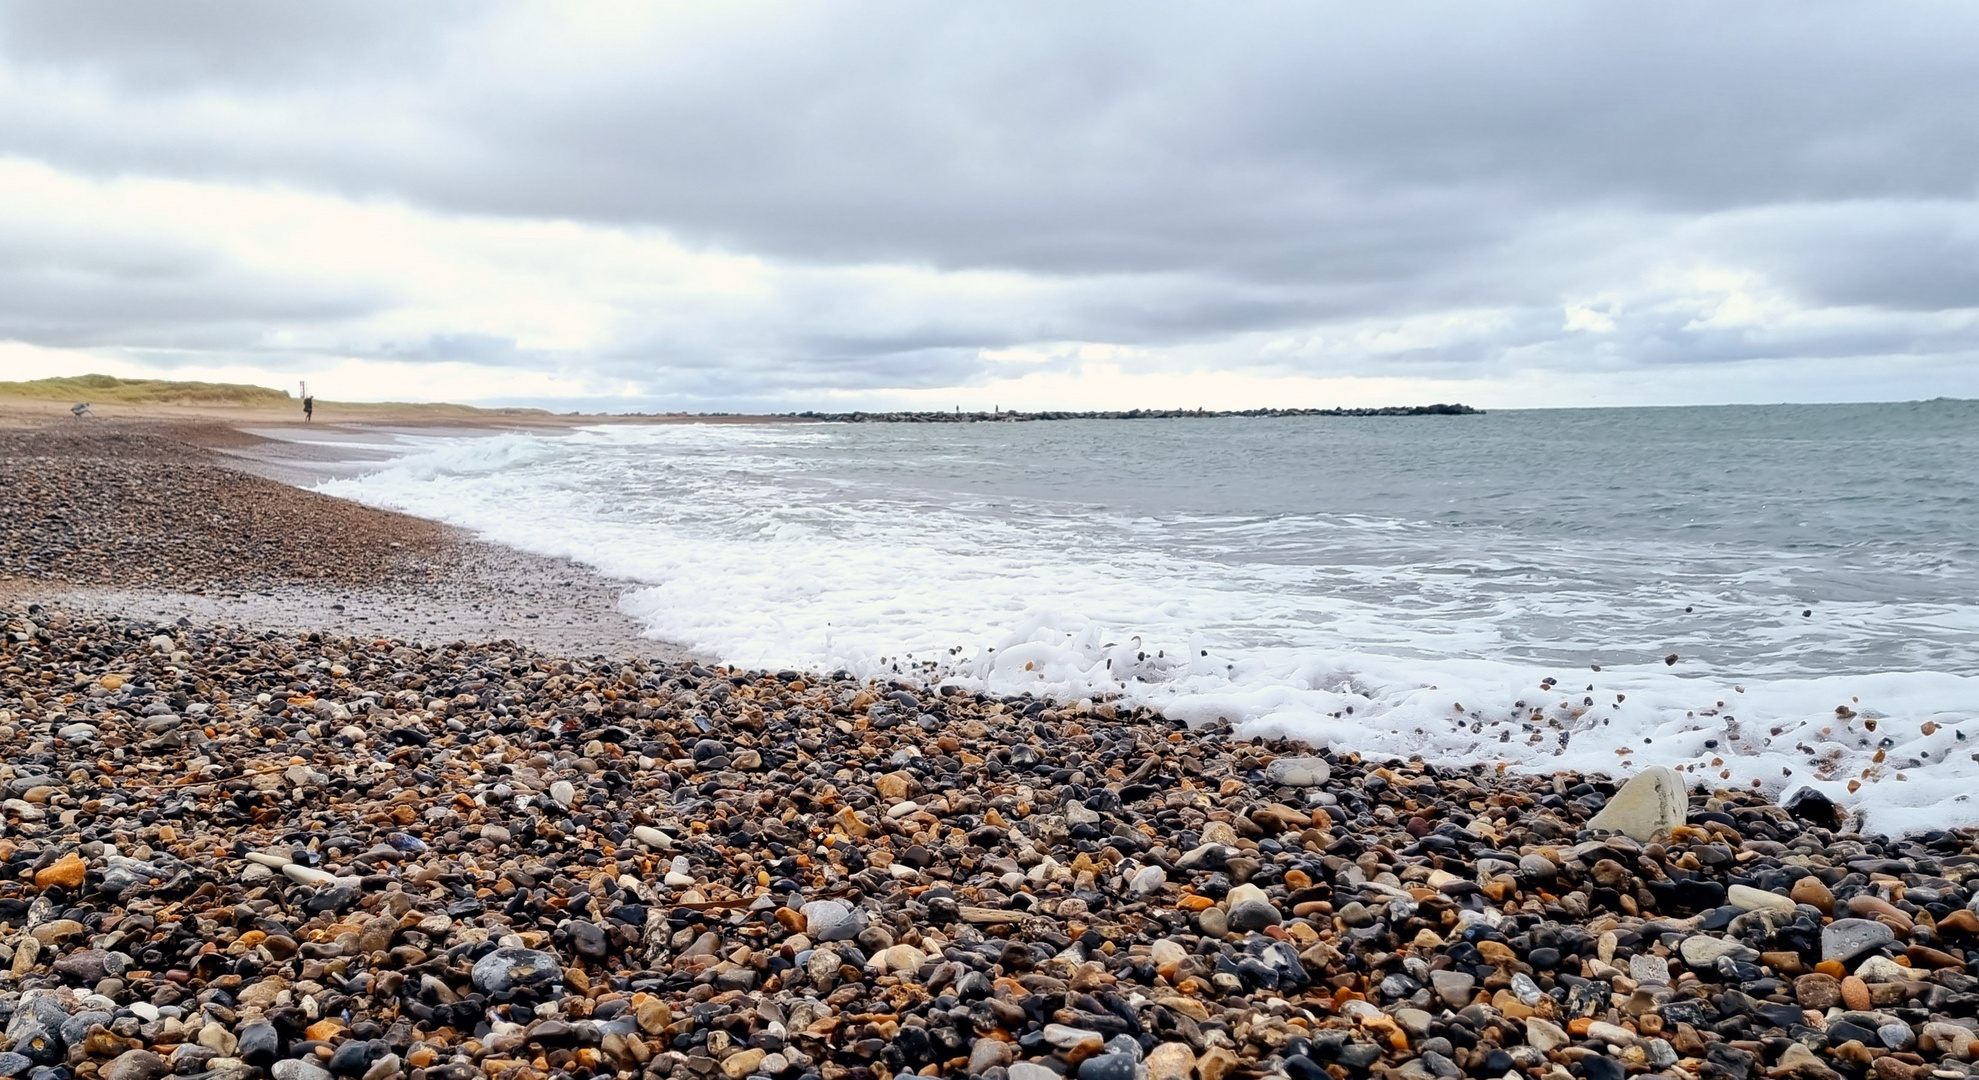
x,y
473,861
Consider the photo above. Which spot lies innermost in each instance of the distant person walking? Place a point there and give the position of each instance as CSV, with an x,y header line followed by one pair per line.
x,y
308,409
80,409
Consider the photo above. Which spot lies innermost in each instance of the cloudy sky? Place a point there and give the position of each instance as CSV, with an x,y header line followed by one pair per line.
x,y
767,206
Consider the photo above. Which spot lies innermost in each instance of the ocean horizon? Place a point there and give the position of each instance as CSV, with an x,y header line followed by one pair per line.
x,y
1775,597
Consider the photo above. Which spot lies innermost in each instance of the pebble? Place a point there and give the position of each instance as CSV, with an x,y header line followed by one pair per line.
x,y
1597,1067
1167,1061
1810,891
1614,1035
1846,939
1250,909
136,1065
1298,772
1527,991
690,872
307,875
259,1044
67,872
1819,991
1213,922
1649,969
1703,950
1147,881
744,1062
1454,987
1747,898
651,837
1544,1035
1651,802
1854,993
986,1054
1882,969
509,969
1114,1066
898,959
1066,1037
1896,1036
830,920
298,1069
1798,1060
1881,910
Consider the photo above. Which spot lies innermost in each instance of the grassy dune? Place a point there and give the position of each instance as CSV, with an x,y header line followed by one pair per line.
x,y
110,390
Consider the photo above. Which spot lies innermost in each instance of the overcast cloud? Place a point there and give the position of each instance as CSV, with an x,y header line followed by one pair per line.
x,y
1098,205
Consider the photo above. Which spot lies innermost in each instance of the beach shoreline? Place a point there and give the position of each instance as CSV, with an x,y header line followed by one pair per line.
x,y
335,565
321,776
173,517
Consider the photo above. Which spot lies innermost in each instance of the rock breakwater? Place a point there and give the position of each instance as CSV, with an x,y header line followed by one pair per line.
x,y
1009,416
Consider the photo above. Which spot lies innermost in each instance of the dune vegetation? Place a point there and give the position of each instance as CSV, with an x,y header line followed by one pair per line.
x,y
108,389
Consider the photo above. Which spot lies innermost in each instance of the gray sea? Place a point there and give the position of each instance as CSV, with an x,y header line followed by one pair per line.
x,y
1504,587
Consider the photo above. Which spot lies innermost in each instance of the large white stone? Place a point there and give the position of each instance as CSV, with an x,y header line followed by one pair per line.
x,y
307,875
1747,898
652,838
1648,969
1652,801
830,920
1298,772
1544,1035
1703,950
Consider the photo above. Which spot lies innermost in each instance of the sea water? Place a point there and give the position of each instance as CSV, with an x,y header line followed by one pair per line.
x,y
1777,597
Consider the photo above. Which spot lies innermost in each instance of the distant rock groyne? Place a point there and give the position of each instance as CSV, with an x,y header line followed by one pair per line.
x,y
1007,416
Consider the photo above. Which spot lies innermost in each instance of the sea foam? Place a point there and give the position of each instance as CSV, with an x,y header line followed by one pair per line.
x,y
765,546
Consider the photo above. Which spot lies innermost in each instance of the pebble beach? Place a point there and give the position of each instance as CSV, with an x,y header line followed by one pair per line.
x,y
240,845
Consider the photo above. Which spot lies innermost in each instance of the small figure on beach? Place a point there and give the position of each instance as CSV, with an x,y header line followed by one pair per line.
x,y
308,409
79,410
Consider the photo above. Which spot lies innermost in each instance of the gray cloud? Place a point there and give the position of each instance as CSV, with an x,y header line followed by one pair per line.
x,y
1163,176
199,46
72,287
1920,256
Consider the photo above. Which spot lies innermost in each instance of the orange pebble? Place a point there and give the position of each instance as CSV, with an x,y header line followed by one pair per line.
x,y
1855,993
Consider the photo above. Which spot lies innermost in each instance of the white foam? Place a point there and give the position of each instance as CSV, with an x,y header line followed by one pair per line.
x,y
742,545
